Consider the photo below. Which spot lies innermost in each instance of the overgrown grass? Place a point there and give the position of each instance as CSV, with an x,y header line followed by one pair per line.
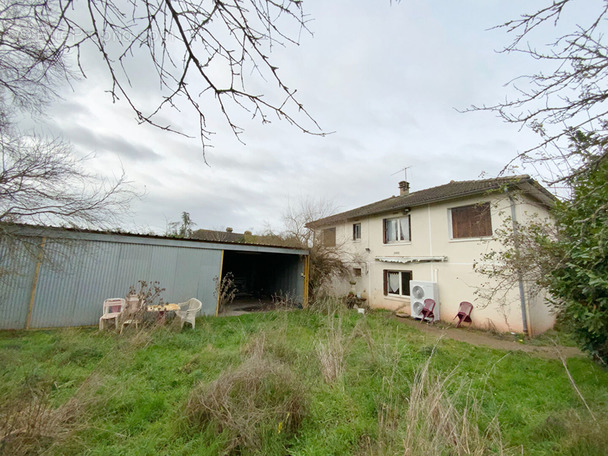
x,y
330,382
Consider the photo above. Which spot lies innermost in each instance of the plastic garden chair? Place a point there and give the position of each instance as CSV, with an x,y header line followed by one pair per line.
x,y
188,311
464,313
112,309
427,311
133,313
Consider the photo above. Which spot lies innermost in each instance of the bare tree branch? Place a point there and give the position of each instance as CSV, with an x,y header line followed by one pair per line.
x,y
199,49
570,96
41,183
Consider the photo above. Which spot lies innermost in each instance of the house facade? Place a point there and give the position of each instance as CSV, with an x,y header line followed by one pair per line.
x,y
438,235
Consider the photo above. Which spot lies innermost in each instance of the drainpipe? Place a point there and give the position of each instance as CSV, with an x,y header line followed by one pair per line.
x,y
522,295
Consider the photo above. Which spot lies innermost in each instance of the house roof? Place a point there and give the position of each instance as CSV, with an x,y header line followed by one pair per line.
x,y
221,236
21,229
451,191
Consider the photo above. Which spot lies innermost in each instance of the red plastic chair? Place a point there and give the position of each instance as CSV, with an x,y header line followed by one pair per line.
x,y
464,313
427,311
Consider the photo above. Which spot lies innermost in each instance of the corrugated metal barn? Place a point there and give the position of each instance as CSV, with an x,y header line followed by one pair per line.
x,y
60,277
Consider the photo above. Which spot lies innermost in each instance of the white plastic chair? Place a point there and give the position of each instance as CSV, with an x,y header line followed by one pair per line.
x,y
188,311
112,308
133,312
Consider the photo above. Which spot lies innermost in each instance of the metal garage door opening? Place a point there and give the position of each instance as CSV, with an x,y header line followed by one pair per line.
x,y
262,279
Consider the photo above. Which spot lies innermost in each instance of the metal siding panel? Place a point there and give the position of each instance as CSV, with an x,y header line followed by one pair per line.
x,y
72,288
56,288
163,263
16,285
134,265
210,269
97,281
194,276
287,277
187,274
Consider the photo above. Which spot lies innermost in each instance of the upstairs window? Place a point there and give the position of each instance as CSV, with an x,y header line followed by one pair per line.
x,y
472,221
397,229
397,283
329,237
356,231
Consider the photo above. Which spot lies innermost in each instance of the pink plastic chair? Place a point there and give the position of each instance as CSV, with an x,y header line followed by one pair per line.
x,y
427,311
464,313
112,308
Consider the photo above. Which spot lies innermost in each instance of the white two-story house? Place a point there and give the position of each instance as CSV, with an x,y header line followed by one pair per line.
x,y
438,235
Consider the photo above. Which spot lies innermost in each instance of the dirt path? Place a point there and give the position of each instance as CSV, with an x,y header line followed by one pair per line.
x,y
486,340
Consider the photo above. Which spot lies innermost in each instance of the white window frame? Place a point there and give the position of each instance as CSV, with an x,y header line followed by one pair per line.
x,y
399,233
357,239
385,276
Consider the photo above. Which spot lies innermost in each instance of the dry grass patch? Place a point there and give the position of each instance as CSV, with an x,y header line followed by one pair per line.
x,y
257,405
30,425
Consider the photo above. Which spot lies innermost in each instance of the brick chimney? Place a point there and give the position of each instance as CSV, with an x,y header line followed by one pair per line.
x,y
228,230
404,188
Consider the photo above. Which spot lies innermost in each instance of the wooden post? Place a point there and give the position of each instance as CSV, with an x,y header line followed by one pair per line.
x,y
306,278
35,284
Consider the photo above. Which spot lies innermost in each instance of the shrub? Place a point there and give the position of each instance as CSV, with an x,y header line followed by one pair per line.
x,y
579,283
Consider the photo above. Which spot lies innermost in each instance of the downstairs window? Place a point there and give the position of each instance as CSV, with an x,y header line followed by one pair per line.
x,y
397,283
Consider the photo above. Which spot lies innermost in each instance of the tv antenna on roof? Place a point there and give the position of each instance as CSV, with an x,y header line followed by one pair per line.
x,y
405,172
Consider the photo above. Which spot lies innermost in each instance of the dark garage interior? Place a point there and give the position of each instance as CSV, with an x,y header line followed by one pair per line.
x,y
261,278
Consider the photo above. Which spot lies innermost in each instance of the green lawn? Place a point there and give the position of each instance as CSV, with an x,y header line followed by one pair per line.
x,y
255,384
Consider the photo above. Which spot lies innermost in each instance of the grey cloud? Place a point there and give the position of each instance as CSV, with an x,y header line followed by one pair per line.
x,y
87,139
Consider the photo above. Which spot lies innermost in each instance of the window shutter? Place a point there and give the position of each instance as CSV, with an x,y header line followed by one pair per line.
x,y
471,221
484,220
461,222
329,237
384,239
385,281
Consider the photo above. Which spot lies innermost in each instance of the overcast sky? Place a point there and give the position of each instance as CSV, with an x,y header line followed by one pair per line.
x,y
386,79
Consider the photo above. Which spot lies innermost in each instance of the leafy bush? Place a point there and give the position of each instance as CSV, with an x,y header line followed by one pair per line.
x,y
580,282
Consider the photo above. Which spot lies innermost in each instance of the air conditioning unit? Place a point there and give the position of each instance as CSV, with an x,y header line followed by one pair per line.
x,y
419,291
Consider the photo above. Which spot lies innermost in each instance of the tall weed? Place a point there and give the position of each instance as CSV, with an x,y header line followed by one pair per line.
x,y
438,424
331,352
327,305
